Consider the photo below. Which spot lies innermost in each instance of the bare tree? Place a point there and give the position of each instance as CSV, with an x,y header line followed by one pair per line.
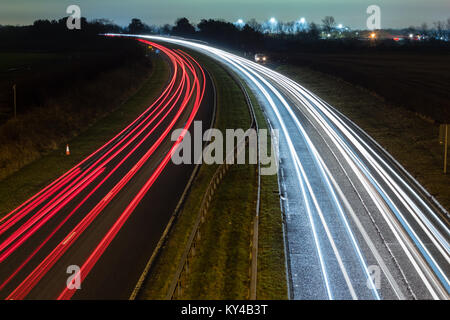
x,y
328,23
255,25
439,29
313,32
411,29
424,28
288,27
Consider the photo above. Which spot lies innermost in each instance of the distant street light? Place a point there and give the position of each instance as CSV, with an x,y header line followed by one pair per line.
x,y
373,35
301,24
240,23
340,26
273,22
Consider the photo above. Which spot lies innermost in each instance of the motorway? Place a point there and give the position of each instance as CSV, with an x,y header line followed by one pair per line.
x,y
107,214
357,225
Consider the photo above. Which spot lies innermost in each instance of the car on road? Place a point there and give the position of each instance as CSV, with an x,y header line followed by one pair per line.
x,y
260,58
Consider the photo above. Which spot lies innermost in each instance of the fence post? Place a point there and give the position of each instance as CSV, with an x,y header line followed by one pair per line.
x,y
445,148
15,101
187,265
179,288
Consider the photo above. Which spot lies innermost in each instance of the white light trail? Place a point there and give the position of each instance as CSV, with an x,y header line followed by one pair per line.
x,y
382,189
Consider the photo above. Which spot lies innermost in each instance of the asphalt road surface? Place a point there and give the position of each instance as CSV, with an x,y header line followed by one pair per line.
x,y
107,214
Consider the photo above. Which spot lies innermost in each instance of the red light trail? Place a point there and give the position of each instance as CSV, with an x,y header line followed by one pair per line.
x,y
117,162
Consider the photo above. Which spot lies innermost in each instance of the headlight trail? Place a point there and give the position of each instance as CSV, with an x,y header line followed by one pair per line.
x,y
442,246
327,154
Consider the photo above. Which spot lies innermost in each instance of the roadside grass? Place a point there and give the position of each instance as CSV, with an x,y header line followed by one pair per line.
x,y
271,281
21,59
231,112
221,266
408,137
220,269
19,186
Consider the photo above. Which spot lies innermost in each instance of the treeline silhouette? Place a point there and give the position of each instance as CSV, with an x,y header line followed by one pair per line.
x,y
250,37
53,35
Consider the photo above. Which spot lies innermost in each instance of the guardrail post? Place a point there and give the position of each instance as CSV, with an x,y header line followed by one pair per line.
x,y
15,101
445,148
179,292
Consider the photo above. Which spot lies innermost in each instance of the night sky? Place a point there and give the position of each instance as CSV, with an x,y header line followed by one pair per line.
x,y
352,13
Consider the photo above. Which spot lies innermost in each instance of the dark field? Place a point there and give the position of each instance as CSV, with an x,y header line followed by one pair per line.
x,y
17,66
62,93
419,82
43,76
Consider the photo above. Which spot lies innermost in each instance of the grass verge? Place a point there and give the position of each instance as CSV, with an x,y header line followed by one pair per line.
x,y
414,80
231,113
409,138
220,269
22,184
271,281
